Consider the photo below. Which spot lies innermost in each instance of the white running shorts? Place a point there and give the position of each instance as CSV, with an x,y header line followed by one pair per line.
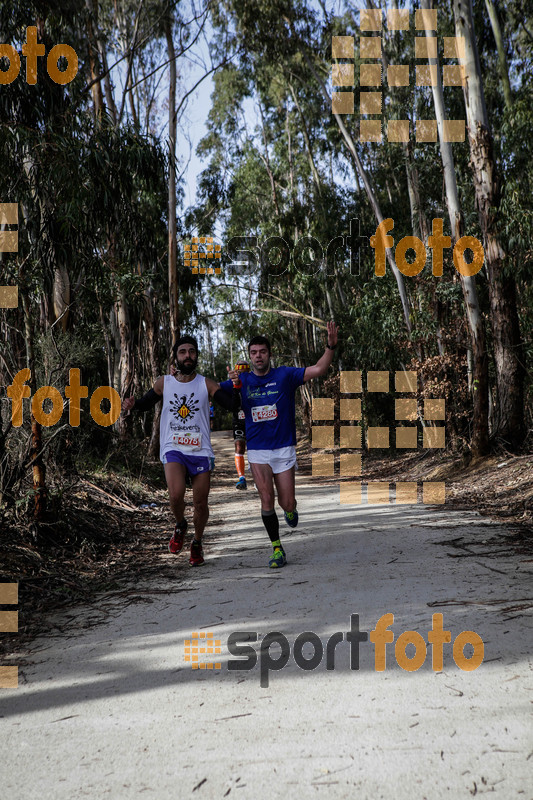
x,y
279,460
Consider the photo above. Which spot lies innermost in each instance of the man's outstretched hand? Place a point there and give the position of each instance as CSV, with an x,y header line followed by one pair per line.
x,y
127,405
233,375
333,331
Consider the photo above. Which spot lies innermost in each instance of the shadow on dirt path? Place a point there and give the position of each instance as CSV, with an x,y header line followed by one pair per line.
x,y
110,707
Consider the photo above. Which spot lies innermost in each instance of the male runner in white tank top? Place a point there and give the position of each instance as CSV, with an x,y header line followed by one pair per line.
x,y
185,442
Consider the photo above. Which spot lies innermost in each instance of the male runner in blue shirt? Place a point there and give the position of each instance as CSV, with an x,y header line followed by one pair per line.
x,y
267,396
239,434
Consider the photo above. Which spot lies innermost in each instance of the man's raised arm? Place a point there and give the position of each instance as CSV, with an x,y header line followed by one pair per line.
x,y
223,398
148,401
324,362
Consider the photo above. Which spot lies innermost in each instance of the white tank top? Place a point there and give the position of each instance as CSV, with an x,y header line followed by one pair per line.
x,y
184,422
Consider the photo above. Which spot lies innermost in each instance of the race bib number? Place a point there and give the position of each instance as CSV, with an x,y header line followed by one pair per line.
x,y
193,441
264,413
241,415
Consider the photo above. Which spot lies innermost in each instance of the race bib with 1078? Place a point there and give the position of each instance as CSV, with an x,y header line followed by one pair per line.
x,y
264,413
191,440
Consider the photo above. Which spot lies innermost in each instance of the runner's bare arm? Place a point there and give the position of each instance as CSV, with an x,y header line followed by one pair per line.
x,y
220,396
324,362
212,386
149,400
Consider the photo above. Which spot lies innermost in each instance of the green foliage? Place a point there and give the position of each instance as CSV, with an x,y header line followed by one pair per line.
x,y
93,192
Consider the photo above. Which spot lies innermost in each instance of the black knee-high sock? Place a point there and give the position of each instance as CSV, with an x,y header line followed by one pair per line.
x,y
271,523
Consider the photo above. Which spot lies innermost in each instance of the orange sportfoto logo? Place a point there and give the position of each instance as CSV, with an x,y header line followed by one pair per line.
x,y
18,390
33,50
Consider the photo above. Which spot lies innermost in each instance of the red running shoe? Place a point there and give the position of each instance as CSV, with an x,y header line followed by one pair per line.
x,y
197,554
176,543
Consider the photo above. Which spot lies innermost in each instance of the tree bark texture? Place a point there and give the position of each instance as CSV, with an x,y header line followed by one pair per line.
x,y
508,355
480,383
172,244
40,491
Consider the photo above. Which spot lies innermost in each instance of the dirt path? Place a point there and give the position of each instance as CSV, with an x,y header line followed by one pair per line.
x,y
114,710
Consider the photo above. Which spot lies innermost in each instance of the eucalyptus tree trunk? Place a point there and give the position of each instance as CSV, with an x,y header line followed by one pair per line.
x,y
502,58
126,355
40,491
61,296
369,192
210,349
508,347
480,427
120,343
155,367
419,228
318,183
307,140
92,8
172,241
418,217
266,161
96,87
419,222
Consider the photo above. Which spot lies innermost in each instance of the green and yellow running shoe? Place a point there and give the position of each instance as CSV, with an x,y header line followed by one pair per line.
x,y
278,557
291,518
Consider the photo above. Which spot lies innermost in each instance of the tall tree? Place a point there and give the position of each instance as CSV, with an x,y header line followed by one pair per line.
x,y
500,46
480,386
172,240
509,419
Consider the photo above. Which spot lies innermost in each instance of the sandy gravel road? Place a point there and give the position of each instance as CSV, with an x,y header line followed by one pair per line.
x,y
114,710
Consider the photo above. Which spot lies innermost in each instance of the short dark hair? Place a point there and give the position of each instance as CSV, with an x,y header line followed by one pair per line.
x,y
259,340
184,340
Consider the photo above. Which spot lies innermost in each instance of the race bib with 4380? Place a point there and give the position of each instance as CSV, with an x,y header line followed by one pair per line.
x,y
264,413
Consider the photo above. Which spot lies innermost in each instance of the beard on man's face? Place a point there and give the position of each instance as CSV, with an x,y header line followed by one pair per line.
x,y
188,365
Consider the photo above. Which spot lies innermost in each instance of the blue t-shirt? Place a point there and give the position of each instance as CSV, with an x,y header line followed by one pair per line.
x,y
268,405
